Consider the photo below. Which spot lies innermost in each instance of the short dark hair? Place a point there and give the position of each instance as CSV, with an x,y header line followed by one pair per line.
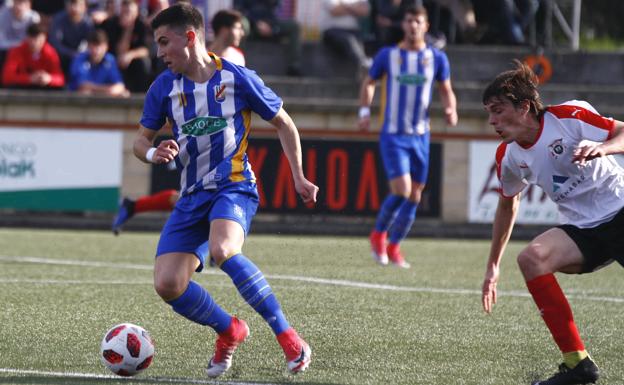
x,y
97,36
225,18
34,29
416,10
515,85
181,16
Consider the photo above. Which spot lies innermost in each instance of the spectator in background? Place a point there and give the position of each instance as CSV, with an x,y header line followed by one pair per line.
x,y
100,10
34,63
506,20
150,8
341,29
387,16
14,19
95,72
265,25
69,30
128,41
227,26
47,9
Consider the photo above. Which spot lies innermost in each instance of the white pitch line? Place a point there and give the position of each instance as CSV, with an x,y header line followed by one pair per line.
x,y
314,280
112,377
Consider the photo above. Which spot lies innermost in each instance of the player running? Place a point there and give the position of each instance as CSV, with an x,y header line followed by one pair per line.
x,y
566,150
208,102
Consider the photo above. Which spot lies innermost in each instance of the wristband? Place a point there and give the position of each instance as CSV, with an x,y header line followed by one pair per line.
x,y
364,112
149,155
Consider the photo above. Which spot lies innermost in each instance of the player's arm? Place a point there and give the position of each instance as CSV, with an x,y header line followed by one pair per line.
x,y
614,145
449,101
367,92
501,231
144,150
289,138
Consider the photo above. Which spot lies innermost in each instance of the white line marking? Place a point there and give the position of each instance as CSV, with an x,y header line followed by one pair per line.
x,y
113,377
314,280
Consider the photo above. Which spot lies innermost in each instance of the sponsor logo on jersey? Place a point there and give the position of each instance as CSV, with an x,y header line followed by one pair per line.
x,y
204,125
558,180
411,79
219,93
556,148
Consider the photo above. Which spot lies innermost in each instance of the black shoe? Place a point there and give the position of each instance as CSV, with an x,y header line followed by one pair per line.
x,y
126,211
585,372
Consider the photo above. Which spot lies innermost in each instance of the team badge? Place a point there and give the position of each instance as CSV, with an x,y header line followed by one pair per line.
x,y
556,148
219,93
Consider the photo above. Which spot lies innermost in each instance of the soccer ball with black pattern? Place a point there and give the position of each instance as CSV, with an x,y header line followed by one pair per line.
x,y
127,349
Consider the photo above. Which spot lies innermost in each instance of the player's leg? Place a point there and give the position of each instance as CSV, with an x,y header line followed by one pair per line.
x,y
161,201
418,152
182,250
402,225
396,165
230,219
550,252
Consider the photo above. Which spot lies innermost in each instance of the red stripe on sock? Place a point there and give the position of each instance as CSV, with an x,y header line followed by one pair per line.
x,y
556,312
161,201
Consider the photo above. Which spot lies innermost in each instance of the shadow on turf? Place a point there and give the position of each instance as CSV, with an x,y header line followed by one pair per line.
x,y
33,379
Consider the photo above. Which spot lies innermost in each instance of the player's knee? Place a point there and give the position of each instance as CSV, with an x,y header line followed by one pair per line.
x,y
531,257
220,253
168,287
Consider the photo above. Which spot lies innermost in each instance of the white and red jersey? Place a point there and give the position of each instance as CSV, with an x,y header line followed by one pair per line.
x,y
585,195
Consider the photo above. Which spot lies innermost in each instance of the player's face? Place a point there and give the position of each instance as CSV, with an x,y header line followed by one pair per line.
x,y
414,27
173,48
236,34
97,51
505,118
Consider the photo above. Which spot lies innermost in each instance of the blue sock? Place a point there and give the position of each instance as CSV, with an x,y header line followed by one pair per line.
x,y
197,305
403,222
255,289
388,212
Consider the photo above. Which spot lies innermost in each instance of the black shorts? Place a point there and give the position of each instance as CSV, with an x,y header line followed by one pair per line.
x,y
599,245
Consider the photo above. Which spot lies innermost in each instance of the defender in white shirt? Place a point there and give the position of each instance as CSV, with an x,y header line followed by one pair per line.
x,y
567,151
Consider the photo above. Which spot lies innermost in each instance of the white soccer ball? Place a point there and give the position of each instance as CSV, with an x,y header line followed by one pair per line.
x,y
127,349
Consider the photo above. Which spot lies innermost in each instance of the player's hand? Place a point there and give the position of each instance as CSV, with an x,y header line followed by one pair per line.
x,y
166,151
450,114
488,292
586,152
364,123
306,190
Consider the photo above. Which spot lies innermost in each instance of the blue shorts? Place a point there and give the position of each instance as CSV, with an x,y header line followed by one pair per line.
x,y
188,226
405,154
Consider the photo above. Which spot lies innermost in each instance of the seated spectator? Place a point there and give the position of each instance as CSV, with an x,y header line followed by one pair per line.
x,y
95,72
33,64
69,30
506,20
264,24
128,41
14,19
150,8
46,10
341,29
100,10
228,31
387,17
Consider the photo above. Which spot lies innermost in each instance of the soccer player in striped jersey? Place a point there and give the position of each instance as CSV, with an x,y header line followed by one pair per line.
x,y
208,102
566,150
407,72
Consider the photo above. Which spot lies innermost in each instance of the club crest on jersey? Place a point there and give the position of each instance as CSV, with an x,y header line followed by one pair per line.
x,y
219,93
556,148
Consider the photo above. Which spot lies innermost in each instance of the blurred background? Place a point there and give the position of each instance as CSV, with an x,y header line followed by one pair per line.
x,y
74,74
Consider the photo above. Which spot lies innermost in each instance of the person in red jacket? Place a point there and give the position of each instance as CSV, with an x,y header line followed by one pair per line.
x,y
33,64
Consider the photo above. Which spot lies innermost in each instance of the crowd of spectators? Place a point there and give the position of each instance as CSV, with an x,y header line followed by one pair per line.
x,y
106,46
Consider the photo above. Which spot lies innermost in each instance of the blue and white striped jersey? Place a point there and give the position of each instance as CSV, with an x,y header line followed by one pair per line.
x,y
407,87
210,122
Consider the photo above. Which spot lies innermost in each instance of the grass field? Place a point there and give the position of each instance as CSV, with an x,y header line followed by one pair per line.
x,y
61,290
